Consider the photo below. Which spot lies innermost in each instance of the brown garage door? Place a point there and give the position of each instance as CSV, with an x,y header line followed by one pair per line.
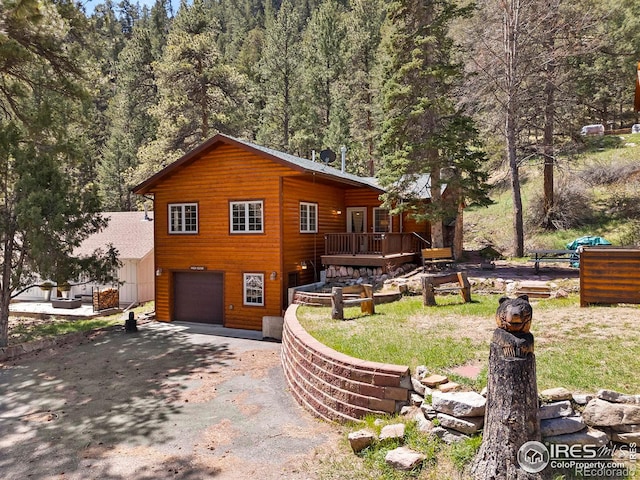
x,y
198,297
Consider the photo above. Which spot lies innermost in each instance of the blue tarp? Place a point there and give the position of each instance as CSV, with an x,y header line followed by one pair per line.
x,y
582,242
587,240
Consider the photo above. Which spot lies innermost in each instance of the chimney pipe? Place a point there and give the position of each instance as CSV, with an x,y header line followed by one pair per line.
x,y
343,151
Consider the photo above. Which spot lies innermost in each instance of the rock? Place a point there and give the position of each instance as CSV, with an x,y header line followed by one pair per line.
x,y
422,371
434,380
448,387
407,410
556,394
561,426
600,413
611,396
483,392
459,404
361,439
448,436
555,410
428,411
416,399
467,425
633,437
394,431
404,458
589,436
582,398
418,386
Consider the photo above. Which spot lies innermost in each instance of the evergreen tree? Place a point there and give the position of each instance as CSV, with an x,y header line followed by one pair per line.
x,y
279,70
199,94
423,133
48,203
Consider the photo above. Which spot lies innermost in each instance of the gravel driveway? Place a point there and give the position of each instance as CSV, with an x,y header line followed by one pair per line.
x,y
170,401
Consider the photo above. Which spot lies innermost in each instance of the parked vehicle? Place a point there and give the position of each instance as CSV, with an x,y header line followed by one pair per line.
x,y
596,129
635,128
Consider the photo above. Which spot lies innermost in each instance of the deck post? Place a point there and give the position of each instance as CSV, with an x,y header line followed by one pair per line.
x,y
367,307
337,307
428,295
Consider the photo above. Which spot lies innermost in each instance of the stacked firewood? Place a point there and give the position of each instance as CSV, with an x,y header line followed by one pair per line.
x,y
104,299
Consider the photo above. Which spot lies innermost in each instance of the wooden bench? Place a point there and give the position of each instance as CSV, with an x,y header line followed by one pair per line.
x,y
431,284
436,257
539,256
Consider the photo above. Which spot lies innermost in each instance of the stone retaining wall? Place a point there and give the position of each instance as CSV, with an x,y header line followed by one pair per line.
x,y
334,386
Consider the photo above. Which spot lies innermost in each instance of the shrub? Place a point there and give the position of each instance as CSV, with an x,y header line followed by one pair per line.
x,y
608,173
571,208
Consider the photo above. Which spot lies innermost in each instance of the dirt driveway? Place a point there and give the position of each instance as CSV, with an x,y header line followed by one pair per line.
x,y
167,402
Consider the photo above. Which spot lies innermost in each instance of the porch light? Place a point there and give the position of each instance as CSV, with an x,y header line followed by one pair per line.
x,y
273,275
303,265
337,212
158,272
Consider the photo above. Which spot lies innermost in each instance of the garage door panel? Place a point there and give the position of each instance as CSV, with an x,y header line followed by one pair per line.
x,y
198,297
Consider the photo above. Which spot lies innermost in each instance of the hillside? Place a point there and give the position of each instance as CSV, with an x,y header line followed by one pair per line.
x,y
597,193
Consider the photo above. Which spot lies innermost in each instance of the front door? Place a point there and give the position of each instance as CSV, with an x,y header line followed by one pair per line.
x,y
357,223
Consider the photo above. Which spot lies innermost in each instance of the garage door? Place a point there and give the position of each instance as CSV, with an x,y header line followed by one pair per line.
x,y
198,297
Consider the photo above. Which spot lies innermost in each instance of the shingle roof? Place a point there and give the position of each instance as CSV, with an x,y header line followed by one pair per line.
x,y
294,162
129,232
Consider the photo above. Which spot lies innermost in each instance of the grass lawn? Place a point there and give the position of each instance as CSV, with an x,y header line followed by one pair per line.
x,y
582,349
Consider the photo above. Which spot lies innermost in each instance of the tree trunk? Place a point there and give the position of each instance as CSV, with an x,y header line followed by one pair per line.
x,y
458,232
437,229
549,118
511,417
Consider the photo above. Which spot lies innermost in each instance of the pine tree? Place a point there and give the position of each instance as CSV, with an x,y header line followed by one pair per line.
x,y
423,133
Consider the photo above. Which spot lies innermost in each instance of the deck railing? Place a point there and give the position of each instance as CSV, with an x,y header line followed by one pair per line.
x,y
370,243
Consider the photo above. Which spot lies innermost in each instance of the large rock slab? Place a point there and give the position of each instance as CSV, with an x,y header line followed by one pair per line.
x,y
561,426
555,410
588,436
467,425
403,458
600,413
392,432
615,397
459,404
448,436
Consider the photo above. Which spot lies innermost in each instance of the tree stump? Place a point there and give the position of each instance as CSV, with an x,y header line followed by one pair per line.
x,y
337,307
511,416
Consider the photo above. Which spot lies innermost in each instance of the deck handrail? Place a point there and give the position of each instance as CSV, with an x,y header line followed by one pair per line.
x,y
370,243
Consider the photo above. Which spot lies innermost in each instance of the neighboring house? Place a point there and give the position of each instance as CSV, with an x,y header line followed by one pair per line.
x,y
131,233
237,224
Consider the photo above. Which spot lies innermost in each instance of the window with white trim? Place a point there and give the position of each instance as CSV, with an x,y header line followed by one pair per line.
x,y
254,289
246,217
381,220
183,218
308,217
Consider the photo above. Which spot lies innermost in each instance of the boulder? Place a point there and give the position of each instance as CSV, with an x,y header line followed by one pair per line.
x,y
467,425
561,426
448,436
615,397
361,439
588,436
555,410
434,380
600,413
556,394
403,458
394,431
459,404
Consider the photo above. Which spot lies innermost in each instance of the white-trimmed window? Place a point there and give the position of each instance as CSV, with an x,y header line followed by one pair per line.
x,y
308,217
381,220
183,218
254,289
246,217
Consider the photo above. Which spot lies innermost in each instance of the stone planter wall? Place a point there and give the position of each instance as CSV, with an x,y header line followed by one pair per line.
x,y
334,386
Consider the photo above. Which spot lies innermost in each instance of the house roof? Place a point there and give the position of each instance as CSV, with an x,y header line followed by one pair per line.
x,y
301,164
128,232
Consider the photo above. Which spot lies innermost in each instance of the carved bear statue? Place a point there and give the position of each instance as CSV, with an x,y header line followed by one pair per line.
x,y
514,314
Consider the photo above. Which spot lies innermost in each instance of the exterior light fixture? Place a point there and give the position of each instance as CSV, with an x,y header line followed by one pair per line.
x,y
158,272
273,275
303,265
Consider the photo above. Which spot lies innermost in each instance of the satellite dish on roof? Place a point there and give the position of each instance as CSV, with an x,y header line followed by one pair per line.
x,y
327,156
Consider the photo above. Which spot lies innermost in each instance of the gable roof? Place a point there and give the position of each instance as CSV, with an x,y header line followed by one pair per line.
x,y
297,163
129,232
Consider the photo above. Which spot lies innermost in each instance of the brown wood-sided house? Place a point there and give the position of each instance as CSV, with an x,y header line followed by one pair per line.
x,y
237,224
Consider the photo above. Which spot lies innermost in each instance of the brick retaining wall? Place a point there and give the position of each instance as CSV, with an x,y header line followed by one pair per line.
x,y
334,386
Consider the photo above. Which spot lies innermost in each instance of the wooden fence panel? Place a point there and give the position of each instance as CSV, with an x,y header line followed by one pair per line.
x,y
609,275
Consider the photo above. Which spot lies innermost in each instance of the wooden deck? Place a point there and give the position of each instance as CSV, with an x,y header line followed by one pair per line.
x,y
371,249
370,260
